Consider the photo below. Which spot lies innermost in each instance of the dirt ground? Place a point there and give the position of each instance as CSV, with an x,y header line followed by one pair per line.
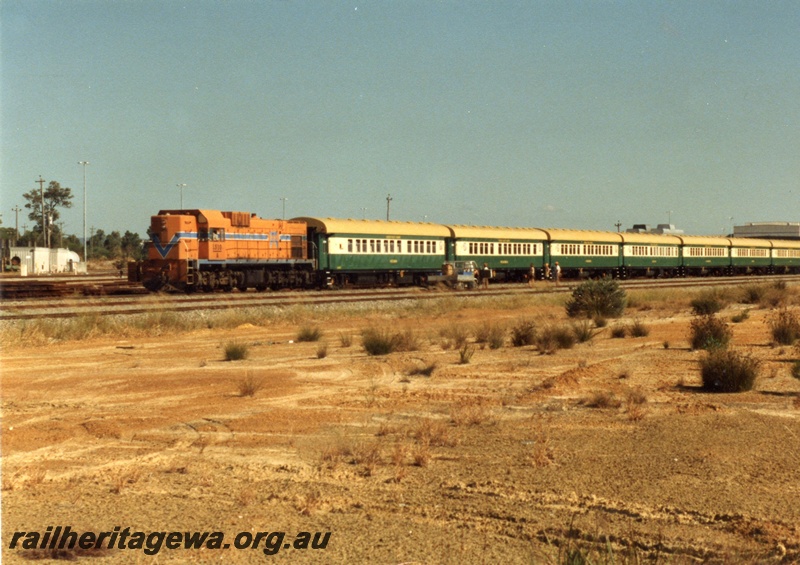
x,y
609,448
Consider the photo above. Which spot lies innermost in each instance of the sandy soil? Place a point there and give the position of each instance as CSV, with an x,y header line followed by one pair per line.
x,y
499,460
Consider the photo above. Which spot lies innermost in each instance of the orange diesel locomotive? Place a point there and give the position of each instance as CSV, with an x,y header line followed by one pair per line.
x,y
208,250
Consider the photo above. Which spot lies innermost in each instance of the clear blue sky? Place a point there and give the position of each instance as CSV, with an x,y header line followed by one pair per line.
x,y
550,113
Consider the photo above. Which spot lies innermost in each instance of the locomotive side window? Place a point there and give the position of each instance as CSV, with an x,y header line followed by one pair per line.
x,y
217,234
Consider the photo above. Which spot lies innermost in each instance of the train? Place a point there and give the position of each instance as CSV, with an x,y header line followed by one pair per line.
x,y
209,250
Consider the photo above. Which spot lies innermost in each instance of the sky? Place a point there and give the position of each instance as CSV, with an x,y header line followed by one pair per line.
x,y
536,113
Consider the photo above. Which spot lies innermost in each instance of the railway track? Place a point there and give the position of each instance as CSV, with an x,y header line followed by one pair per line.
x,y
142,303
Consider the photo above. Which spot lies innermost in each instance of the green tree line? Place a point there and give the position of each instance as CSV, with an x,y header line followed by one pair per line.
x,y
44,210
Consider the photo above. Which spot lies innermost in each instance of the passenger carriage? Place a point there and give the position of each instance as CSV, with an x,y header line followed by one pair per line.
x,y
651,255
750,256
584,253
785,256
363,252
509,252
704,255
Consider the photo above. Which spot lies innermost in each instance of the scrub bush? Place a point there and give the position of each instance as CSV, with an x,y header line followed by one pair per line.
x,y
524,333
785,327
639,329
491,334
309,333
235,351
383,342
706,305
724,370
709,332
597,298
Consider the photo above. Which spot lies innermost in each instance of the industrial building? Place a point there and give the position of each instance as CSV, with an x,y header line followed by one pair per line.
x,y
769,230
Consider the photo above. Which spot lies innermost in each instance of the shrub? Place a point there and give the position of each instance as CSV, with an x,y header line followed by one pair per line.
x,y
785,327
597,298
754,293
724,370
706,304
382,342
322,351
345,340
796,369
236,350
378,342
553,338
524,333
639,329
619,331
602,399
582,331
491,334
465,353
454,336
309,333
250,385
709,332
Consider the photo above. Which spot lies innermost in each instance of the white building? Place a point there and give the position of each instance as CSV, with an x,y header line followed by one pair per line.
x,y
41,260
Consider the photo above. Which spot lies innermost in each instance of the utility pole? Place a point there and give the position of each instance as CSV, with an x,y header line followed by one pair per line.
x,y
16,210
619,225
388,201
41,192
84,163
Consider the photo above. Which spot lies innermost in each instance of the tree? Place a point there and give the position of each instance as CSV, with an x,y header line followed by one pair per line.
x,y
55,197
132,245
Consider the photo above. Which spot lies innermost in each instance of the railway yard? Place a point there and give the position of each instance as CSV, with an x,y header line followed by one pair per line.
x,y
455,448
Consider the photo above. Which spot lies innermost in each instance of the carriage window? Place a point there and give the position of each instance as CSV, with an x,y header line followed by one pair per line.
x,y
349,245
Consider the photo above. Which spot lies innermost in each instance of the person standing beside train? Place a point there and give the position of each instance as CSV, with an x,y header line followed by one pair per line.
x,y
558,273
486,274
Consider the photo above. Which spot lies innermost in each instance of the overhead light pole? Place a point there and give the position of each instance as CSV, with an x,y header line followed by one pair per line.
x,y
84,163
388,201
283,202
41,193
16,210
181,186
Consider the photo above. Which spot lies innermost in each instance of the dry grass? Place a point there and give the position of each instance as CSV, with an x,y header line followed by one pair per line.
x,y
470,413
602,399
249,385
